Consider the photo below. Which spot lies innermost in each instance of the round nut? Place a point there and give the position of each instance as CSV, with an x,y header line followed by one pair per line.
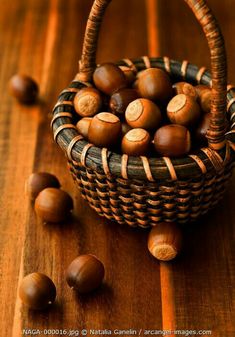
x,y
185,88
155,84
37,291
87,102
183,110
143,113
83,126
39,181
120,100
104,130
53,205
136,142
165,241
172,140
109,78
85,273
23,88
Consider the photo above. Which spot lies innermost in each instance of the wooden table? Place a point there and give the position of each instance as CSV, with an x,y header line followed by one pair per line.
x,y
44,38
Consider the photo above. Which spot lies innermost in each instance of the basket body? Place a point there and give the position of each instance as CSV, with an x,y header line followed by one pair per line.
x,y
145,204
139,201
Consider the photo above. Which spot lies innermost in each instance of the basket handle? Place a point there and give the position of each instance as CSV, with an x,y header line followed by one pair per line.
x,y
216,132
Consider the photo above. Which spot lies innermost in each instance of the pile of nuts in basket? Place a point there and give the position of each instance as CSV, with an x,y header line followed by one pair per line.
x,y
143,114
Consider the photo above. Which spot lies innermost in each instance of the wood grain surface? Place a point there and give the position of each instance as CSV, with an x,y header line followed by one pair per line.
x,y
43,38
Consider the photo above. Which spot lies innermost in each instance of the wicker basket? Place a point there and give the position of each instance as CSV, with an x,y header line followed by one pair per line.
x,y
142,191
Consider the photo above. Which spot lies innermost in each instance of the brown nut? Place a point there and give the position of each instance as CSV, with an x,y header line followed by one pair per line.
x,y
87,102
129,73
37,291
172,140
204,97
23,88
155,84
183,110
185,88
104,130
83,126
165,241
109,78
143,113
85,273
39,181
121,99
136,142
53,205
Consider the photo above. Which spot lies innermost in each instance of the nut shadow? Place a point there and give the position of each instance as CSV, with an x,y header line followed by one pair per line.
x,y
101,294
54,310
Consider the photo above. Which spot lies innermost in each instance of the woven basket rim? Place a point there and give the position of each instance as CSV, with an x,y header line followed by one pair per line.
x,y
111,163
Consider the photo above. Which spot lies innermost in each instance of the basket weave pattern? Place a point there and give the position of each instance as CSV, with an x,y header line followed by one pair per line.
x,y
143,191
147,204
